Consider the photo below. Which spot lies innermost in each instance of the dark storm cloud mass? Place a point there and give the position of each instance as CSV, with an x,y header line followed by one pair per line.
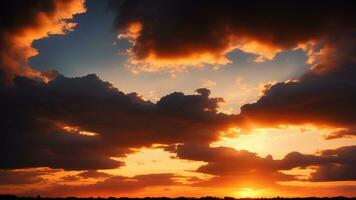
x,y
229,164
47,124
184,28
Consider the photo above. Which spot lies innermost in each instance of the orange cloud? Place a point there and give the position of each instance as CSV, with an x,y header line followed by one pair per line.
x,y
35,20
154,60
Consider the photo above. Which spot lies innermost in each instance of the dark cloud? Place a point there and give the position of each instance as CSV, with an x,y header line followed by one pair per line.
x,y
332,165
334,172
230,166
321,99
24,21
79,123
323,96
181,29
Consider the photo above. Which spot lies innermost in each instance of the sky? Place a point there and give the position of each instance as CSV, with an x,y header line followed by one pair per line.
x,y
140,98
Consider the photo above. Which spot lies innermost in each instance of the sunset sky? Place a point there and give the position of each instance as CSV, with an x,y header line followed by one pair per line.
x,y
136,98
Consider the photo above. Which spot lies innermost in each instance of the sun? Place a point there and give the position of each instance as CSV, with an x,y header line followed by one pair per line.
x,y
246,192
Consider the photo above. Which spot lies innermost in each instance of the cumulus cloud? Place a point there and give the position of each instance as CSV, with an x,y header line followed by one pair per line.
x,y
171,35
80,123
24,21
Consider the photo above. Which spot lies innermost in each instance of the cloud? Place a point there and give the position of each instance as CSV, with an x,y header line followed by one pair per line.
x,y
322,99
323,96
93,174
344,133
334,172
232,167
19,177
229,168
174,35
81,123
70,178
332,165
113,186
89,174
27,20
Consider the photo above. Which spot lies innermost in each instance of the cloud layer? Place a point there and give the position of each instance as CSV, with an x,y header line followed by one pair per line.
x,y
231,166
112,186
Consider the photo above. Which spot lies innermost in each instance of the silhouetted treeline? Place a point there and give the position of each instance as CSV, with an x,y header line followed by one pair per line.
x,y
13,197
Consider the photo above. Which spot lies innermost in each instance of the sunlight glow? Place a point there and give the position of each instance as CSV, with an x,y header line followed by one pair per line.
x,y
74,129
283,139
247,192
155,160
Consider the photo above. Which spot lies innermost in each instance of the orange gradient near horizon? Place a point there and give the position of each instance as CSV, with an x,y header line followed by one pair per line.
x,y
155,160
